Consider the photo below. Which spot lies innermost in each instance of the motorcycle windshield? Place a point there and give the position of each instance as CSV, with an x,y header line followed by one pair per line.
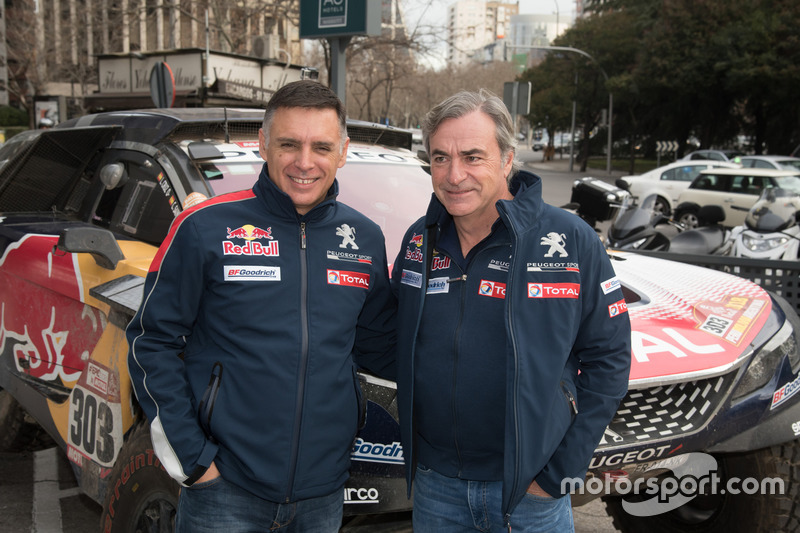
x,y
775,210
632,217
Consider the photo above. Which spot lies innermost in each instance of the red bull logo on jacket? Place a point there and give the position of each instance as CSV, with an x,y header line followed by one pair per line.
x,y
250,234
416,240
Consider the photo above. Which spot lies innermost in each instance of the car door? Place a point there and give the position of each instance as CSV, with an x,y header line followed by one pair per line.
x,y
741,194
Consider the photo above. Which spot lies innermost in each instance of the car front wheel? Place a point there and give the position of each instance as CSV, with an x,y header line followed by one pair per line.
x,y
774,469
141,496
688,218
661,207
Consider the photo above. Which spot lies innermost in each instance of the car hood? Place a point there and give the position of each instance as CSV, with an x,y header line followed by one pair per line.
x,y
687,322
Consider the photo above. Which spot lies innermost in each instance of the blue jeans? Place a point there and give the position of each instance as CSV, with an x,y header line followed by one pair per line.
x,y
450,505
218,506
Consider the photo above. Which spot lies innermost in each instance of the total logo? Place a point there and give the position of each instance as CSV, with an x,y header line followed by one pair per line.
x,y
349,279
617,308
493,289
554,290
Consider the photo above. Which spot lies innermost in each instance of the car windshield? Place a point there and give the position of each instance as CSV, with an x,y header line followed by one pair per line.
x,y
789,164
791,183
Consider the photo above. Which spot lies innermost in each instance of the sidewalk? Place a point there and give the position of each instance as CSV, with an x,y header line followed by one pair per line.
x,y
533,161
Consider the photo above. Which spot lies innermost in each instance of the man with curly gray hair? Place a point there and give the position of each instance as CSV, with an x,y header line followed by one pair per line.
x,y
510,362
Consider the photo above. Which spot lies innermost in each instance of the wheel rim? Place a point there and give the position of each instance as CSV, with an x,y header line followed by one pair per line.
x,y
660,207
689,220
157,515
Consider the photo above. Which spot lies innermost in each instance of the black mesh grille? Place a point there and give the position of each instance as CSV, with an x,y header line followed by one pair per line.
x,y
197,131
367,135
662,412
38,180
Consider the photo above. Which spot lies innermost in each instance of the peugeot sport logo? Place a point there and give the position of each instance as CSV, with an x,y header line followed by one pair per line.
x,y
348,235
556,242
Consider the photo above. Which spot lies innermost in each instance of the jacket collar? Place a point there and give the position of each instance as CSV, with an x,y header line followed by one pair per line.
x,y
523,211
280,204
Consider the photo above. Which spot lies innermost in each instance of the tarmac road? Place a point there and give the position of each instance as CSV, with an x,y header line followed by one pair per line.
x,y
38,492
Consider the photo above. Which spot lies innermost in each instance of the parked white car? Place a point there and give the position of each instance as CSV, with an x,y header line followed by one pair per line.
x,y
729,187
780,162
669,181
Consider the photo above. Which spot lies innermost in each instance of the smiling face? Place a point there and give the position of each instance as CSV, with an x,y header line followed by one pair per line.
x,y
467,168
303,152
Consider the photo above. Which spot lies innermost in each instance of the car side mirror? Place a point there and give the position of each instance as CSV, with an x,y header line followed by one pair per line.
x,y
99,242
622,184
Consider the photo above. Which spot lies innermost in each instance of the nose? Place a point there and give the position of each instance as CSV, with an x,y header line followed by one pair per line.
x,y
304,160
456,172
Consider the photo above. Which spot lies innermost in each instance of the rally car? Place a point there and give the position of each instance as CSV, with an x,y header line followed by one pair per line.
x,y
83,207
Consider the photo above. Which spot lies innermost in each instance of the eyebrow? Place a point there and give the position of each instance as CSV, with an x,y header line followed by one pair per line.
x,y
315,144
473,151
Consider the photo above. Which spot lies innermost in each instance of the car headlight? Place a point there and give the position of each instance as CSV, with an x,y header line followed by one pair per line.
x,y
766,361
760,244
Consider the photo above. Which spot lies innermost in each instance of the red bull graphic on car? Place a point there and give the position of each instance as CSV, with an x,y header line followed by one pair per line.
x,y
45,326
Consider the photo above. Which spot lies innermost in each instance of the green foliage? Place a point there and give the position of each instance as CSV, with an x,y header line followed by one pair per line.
x,y
11,116
710,69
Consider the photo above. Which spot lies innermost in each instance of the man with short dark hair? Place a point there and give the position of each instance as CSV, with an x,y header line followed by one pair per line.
x,y
513,336
243,352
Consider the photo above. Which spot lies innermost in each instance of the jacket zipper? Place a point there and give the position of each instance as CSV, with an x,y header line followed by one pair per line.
x,y
301,378
513,339
453,406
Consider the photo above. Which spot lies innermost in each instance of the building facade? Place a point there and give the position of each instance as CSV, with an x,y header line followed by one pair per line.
x,y
474,24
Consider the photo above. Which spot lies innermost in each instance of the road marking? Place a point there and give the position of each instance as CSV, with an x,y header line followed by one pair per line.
x,y
46,494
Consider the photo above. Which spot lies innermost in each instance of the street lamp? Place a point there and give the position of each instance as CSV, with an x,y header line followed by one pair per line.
x,y
610,95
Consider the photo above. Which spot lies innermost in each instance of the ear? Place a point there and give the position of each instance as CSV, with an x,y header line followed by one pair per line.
x,y
508,163
262,144
343,158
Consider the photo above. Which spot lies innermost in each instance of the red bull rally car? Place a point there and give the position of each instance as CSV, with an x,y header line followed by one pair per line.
x,y
83,207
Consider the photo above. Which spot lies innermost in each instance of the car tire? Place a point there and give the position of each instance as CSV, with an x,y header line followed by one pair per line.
x,y
661,206
688,218
140,496
731,512
18,431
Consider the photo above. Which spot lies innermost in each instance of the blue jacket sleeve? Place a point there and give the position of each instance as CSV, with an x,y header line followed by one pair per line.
x,y
602,354
376,336
156,337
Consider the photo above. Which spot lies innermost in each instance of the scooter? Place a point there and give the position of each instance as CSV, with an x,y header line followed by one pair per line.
x,y
771,229
638,226
634,227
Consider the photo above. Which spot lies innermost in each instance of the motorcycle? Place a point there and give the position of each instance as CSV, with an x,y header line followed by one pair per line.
x,y
639,226
635,226
771,229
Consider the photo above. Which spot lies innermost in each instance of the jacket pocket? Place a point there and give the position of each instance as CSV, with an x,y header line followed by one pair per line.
x,y
206,407
572,402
